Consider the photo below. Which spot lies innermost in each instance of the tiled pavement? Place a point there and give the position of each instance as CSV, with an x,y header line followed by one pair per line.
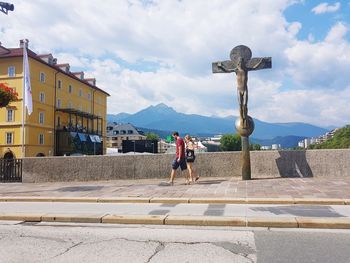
x,y
214,187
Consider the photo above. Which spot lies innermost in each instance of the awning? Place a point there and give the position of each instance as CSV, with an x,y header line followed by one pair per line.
x,y
92,138
95,138
82,137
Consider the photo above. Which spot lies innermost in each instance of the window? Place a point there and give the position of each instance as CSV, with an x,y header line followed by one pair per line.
x,y
59,85
59,103
42,97
41,117
80,92
9,137
70,89
130,131
70,105
89,96
58,121
10,115
42,77
115,132
109,128
11,71
41,139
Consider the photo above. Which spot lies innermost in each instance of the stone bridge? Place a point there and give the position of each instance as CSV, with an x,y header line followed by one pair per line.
x,y
265,164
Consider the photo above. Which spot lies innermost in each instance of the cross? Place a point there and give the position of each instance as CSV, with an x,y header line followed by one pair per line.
x,y
241,62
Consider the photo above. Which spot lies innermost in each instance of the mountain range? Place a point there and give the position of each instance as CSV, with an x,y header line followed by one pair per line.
x,y
164,118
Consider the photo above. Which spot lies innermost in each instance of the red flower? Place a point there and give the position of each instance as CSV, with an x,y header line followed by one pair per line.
x,y
7,95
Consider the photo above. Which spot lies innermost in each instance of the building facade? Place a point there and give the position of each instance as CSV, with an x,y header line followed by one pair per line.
x,y
69,110
119,132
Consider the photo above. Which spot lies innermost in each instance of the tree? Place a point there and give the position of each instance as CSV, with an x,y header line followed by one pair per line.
x,y
255,147
152,136
230,142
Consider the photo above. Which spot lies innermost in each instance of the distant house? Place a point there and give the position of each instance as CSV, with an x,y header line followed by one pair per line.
x,y
119,132
320,139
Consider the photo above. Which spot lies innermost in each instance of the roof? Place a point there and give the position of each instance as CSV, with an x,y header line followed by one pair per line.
x,y
120,127
18,52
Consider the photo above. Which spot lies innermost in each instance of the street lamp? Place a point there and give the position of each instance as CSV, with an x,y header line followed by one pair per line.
x,y
134,145
5,7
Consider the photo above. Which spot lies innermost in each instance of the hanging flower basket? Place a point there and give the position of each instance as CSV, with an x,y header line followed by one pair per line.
x,y
7,95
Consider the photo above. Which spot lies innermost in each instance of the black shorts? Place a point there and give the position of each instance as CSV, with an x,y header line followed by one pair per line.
x,y
182,164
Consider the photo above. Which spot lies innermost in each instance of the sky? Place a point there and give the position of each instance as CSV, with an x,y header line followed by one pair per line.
x,y
145,52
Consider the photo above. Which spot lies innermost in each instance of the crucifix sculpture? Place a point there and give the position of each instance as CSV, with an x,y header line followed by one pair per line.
x,y
241,62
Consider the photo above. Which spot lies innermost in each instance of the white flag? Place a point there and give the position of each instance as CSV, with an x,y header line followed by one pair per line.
x,y
28,101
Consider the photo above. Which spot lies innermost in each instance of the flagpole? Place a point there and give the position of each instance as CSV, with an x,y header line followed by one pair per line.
x,y
23,104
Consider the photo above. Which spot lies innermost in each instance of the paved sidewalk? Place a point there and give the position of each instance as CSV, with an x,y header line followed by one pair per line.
x,y
214,187
271,202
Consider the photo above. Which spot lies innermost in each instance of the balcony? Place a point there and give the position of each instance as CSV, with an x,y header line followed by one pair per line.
x,y
87,122
79,138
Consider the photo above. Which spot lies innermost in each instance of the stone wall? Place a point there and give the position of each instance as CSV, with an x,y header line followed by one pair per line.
x,y
312,163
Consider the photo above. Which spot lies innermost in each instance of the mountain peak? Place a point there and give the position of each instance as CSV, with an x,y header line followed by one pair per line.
x,y
162,106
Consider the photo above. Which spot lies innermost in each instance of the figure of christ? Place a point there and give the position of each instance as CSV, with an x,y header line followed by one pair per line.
x,y
242,90
241,71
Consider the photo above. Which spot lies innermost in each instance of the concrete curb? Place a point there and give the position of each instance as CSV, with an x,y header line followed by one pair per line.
x,y
134,219
179,200
276,222
205,220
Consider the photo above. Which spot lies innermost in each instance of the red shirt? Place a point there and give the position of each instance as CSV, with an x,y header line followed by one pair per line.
x,y
180,143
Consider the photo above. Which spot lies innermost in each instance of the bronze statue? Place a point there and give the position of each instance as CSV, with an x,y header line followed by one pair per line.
x,y
241,62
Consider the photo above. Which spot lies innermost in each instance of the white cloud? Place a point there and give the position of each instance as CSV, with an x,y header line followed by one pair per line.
x,y
113,40
322,64
323,107
326,8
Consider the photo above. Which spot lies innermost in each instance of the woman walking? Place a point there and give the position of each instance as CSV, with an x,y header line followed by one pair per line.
x,y
190,157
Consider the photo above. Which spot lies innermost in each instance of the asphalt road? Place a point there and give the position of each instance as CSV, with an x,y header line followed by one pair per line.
x,y
58,242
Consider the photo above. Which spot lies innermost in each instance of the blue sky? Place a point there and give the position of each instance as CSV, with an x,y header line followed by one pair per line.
x,y
318,24
147,52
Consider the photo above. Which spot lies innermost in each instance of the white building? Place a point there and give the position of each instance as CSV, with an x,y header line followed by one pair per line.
x,y
276,146
265,147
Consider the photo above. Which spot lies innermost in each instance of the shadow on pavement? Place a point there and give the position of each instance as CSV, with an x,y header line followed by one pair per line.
x,y
79,188
210,181
306,211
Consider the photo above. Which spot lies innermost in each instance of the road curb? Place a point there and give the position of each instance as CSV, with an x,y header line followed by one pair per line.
x,y
275,222
72,218
278,222
180,200
205,220
329,223
134,219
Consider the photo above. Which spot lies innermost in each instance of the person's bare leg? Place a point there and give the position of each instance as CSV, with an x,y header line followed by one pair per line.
x,y
172,176
190,172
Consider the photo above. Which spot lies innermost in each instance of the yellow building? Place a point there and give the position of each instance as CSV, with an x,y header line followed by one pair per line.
x,y
69,111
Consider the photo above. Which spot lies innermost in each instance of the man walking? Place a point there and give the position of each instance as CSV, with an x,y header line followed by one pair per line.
x,y
180,159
